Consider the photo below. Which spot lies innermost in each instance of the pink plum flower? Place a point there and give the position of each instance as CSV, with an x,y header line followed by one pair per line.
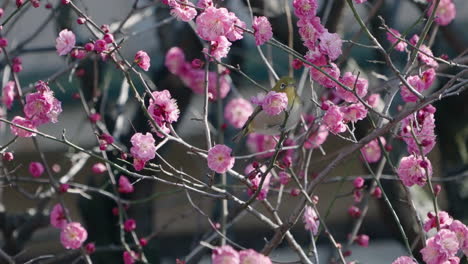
x,y
21,121
461,230
412,170
311,220
237,112
262,30
236,32
219,158
358,183
445,12
42,107
317,137
65,42
362,240
73,235
125,185
36,169
143,60
334,119
130,225
251,256
225,255
204,3
330,44
129,257
419,83
183,11
305,8
9,94
444,218
255,181
310,29
372,151
359,85
393,38
175,60
143,149
422,124
354,112
404,260
99,168
57,217
261,143
440,248
274,103
214,22
323,79
219,48
163,109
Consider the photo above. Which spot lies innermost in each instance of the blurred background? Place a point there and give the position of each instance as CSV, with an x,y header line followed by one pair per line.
x,y
163,213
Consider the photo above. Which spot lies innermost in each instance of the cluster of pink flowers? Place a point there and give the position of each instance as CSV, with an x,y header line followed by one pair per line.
x,y
40,108
419,83
425,55
422,125
143,149
445,12
182,10
445,220
163,109
412,170
72,235
311,220
333,118
449,240
237,112
194,77
318,135
359,85
393,36
372,151
226,254
262,30
219,158
254,173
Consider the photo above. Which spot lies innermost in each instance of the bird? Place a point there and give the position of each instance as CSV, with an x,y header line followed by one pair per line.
x,y
263,123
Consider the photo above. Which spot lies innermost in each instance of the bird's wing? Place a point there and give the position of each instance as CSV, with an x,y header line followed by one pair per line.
x,y
246,128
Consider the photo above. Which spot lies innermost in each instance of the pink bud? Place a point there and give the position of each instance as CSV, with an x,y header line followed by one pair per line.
x,y
99,168
48,6
108,138
377,193
19,3
357,194
388,147
90,248
297,64
1,12
315,199
143,241
81,20
3,42
8,156
103,146
362,240
347,253
437,189
123,155
424,164
78,53
358,183
108,38
100,45
63,188
325,106
197,63
130,225
36,169
295,192
17,68
17,60
105,28
94,118
35,3
115,211
354,212
65,2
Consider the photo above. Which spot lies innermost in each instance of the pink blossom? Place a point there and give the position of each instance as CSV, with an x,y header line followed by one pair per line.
x,y
330,44
3,42
317,137
445,12
262,30
99,168
57,217
441,247
183,11
163,109
419,83
422,124
425,56
374,100
311,220
261,143
129,257
358,183
274,103
255,181
445,220
129,225
204,3
65,42
219,158
125,186
225,255
461,231
333,119
354,211
219,48
412,172
404,260
90,248
236,32
9,94
143,149
372,151
310,29
100,45
321,78
175,60
393,38
237,112
362,240
250,256
305,8
73,235
354,112
143,60
42,107
214,22
36,169
360,86
21,121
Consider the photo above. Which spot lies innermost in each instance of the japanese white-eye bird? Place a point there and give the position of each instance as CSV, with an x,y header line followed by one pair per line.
x,y
263,123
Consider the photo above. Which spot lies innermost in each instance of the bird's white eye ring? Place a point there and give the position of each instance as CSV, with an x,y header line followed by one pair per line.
x,y
282,86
